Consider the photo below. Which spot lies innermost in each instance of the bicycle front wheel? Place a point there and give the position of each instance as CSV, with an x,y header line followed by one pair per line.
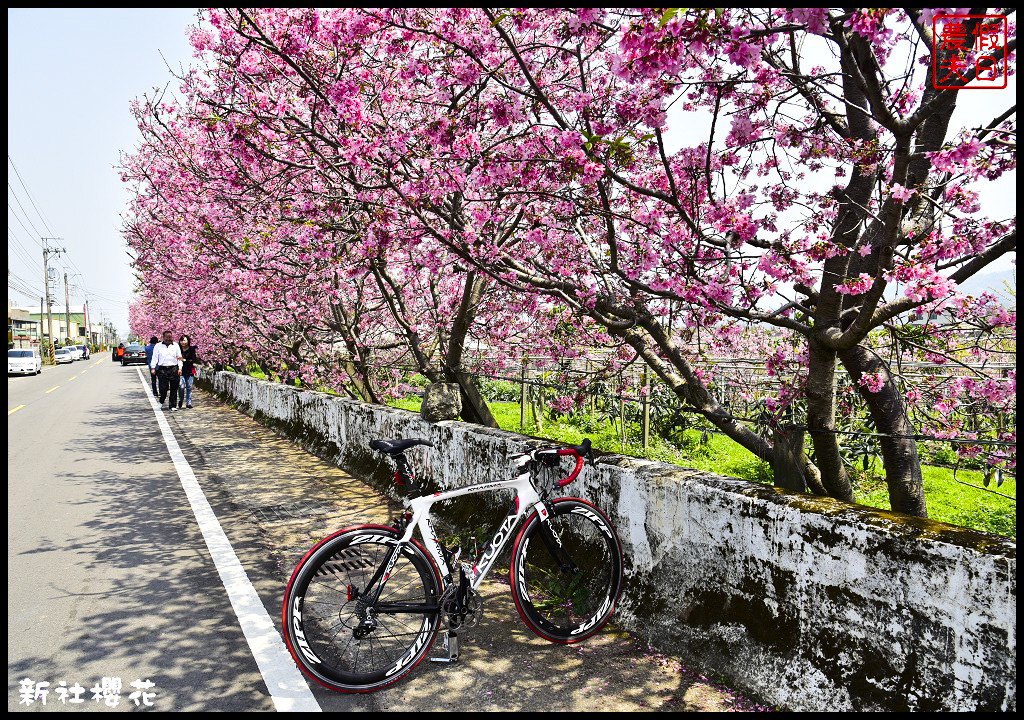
x,y
567,571
339,638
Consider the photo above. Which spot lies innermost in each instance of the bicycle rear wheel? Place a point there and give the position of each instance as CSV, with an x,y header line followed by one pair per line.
x,y
565,584
341,640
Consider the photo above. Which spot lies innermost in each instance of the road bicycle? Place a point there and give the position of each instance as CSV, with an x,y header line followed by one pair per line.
x,y
366,604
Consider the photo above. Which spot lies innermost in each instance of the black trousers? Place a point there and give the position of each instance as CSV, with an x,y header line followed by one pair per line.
x,y
155,391
167,377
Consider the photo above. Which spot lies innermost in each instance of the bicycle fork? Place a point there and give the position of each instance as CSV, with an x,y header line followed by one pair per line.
x,y
554,545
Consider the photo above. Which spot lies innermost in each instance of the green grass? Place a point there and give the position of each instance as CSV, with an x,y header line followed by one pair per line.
x,y
954,502
948,500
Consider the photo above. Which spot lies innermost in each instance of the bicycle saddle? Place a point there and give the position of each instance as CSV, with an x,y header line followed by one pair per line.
x,y
393,447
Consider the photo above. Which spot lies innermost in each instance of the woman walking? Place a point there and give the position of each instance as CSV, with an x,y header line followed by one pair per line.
x,y
188,371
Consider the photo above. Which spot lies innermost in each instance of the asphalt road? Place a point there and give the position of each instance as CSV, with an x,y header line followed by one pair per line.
x,y
107,573
112,572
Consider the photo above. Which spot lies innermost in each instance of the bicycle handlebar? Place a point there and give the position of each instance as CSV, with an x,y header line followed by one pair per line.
x,y
581,452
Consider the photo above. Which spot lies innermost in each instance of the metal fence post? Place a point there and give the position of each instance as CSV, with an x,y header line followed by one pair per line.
x,y
622,419
647,409
522,397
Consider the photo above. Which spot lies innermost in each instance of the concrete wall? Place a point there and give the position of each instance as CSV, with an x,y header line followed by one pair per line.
x,y
810,603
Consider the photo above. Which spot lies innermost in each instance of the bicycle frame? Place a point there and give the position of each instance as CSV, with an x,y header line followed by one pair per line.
x,y
526,499
433,583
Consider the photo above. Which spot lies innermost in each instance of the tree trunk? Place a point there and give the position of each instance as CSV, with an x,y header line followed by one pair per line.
x,y
821,421
899,448
474,407
787,466
672,367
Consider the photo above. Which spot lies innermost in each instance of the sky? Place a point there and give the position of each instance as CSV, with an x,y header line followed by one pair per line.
x,y
974,108
71,75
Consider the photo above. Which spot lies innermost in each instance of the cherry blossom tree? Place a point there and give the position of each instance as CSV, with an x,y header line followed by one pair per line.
x,y
449,158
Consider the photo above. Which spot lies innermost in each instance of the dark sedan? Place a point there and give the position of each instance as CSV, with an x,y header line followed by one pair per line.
x,y
134,354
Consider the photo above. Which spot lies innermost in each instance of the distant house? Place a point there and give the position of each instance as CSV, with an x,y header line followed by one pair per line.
x,y
30,323
22,328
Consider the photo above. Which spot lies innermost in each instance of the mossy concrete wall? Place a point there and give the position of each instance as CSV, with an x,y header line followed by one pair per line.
x,y
810,603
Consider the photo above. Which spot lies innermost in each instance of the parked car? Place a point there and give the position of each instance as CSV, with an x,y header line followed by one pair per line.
x,y
85,351
134,353
63,355
76,351
21,362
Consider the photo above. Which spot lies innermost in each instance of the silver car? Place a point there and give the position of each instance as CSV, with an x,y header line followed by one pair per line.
x,y
63,355
22,362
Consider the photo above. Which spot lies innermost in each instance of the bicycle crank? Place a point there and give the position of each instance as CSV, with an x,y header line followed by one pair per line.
x,y
462,613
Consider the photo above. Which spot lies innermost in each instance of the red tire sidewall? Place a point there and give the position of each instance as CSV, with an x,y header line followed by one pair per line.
x,y
284,612
515,555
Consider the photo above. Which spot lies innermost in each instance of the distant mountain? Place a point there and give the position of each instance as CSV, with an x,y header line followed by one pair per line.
x,y
993,282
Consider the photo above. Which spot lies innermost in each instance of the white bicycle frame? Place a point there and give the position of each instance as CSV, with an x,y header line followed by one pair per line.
x,y
527,499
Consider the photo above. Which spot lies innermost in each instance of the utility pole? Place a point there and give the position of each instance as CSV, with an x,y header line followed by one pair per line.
x,y
85,307
46,285
67,306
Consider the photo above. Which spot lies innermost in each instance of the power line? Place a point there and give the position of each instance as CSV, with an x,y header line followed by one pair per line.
x,y
21,287
28,283
23,211
25,187
29,232
24,257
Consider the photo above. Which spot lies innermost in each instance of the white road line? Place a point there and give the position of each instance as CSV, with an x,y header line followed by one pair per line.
x,y
288,688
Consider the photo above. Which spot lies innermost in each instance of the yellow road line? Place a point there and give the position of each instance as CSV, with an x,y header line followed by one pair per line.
x,y
51,389
9,412
72,377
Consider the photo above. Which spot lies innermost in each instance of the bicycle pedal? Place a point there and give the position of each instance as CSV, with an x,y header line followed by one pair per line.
x,y
451,644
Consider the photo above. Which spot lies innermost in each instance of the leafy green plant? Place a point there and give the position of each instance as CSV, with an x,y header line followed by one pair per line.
x,y
498,390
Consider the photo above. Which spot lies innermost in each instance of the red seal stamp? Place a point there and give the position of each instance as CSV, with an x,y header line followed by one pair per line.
x,y
969,51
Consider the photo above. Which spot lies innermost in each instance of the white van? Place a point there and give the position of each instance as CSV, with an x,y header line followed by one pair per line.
x,y
23,362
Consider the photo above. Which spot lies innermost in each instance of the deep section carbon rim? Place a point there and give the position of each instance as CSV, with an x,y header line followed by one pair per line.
x,y
337,636
566,595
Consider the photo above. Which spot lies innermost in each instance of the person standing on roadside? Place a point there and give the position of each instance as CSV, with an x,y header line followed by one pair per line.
x,y
166,366
149,361
120,352
188,371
